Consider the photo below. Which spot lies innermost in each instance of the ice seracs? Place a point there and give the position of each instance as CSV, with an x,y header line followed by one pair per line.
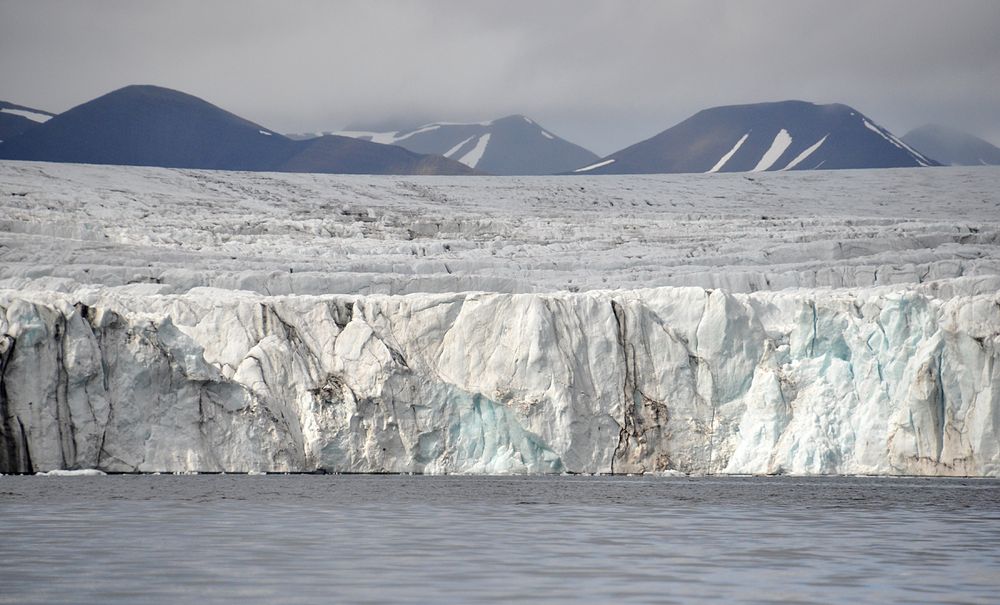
x,y
894,381
188,321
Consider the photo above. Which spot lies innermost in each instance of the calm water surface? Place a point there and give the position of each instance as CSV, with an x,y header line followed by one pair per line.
x,y
379,539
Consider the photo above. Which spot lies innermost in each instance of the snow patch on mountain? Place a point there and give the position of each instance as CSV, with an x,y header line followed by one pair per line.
x,y
513,145
24,113
451,152
806,153
895,141
472,158
593,166
729,154
781,142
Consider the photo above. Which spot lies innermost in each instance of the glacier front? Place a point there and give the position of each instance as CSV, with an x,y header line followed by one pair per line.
x,y
134,337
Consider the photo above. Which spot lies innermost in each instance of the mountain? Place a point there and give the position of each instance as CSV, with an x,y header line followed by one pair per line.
x,y
951,146
514,145
15,119
346,155
787,135
154,126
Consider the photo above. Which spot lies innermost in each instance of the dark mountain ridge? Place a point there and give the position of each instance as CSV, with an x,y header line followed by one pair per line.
x,y
512,145
145,125
785,135
15,119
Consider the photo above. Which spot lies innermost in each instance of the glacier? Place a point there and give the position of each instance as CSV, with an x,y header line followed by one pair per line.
x,y
157,320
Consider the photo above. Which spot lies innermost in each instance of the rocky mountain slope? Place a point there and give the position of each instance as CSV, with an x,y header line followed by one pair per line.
x,y
952,147
789,135
15,119
514,145
153,126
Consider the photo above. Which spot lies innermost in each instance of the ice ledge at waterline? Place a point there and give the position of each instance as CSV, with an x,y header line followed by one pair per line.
x,y
887,381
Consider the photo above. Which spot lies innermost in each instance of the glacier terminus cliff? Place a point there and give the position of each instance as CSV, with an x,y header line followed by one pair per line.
x,y
158,320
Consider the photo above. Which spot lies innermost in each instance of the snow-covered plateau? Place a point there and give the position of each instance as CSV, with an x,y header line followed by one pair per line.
x,y
815,323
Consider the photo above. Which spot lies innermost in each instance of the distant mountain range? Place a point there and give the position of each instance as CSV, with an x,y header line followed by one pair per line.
x,y
154,126
514,145
952,147
788,135
15,119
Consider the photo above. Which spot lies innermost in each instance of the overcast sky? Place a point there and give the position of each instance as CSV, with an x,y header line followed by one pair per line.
x,y
603,74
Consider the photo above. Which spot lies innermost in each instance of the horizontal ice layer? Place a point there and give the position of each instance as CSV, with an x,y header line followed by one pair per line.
x,y
63,226
887,381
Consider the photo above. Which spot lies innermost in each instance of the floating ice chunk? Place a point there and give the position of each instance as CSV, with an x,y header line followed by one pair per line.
x,y
667,473
264,132
778,146
547,135
85,472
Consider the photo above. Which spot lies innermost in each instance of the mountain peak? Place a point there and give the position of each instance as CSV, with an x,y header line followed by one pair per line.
x,y
953,146
511,145
147,125
777,135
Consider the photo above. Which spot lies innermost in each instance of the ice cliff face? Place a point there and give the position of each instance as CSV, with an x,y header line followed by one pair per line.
x,y
883,381
175,320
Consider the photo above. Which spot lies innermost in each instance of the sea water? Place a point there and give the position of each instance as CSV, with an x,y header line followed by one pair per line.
x,y
551,539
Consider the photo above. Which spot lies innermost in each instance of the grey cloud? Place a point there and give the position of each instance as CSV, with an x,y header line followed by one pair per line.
x,y
601,73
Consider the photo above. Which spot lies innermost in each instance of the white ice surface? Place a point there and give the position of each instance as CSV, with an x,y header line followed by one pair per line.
x,y
31,115
471,159
729,154
86,472
778,146
183,320
806,153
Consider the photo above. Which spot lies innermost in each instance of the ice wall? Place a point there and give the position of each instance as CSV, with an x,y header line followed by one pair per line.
x,y
886,381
